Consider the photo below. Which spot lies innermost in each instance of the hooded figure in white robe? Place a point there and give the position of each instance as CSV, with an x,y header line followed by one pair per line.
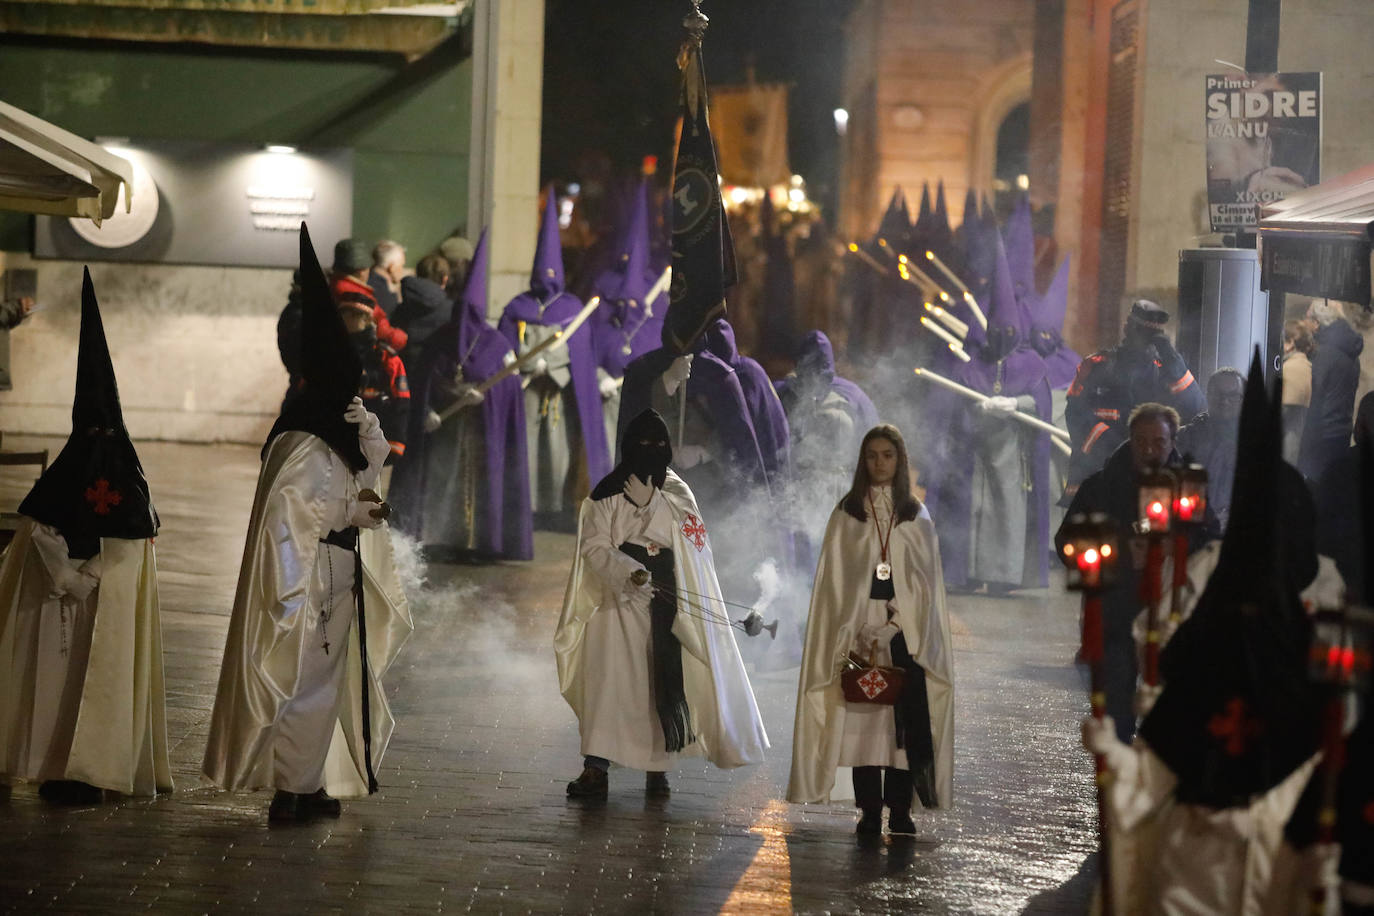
x,y
1198,804
648,662
879,594
81,693
299,707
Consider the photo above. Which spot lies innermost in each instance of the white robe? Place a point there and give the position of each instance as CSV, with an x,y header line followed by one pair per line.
x,y
603,642
279,692
81,690
839,608
1174,859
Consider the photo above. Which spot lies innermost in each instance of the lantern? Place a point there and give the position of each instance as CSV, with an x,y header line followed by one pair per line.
x,y
1190,503
1156,492
1089,551
1341,644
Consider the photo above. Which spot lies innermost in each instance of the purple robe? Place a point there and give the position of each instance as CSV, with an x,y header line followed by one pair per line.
x,y
1006,367
504,527
815,376
624,321
765,410
546,303
557,312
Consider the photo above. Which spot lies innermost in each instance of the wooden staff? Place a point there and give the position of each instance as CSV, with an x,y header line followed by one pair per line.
x,y
1058,436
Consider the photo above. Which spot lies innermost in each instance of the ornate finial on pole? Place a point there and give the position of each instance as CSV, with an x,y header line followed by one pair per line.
x,y
695,23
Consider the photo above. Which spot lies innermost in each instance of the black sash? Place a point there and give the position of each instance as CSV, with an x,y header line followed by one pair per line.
x,y
348,540
912,718
670,699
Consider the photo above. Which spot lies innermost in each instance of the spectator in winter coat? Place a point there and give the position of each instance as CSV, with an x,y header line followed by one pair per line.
x,y
349,275
384,388
1335,376
388,268
1296,372
425,307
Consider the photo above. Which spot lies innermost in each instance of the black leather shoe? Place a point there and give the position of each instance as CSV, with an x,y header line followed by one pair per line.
x,y
871,823
591,784
285,807
70,792
900,822
656,785
321,804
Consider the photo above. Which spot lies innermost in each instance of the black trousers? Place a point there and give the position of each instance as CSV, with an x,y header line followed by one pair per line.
x,y
878,786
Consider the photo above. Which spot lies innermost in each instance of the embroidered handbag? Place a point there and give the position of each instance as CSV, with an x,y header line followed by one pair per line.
x,y
870,683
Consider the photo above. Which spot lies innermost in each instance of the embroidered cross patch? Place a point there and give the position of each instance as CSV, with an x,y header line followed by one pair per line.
x,y
101,497
694,531
1235,727
873,683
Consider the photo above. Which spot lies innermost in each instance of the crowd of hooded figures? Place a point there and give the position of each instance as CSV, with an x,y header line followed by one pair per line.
x,y
683,469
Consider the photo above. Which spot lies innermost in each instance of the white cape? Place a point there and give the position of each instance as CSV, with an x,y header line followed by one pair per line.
x,y
725,718
273,615
844,576
120,737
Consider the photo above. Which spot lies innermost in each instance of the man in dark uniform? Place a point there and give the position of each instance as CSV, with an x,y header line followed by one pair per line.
x,y
1143,368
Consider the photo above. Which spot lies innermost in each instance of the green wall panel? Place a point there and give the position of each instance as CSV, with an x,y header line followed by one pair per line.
x,y
408,124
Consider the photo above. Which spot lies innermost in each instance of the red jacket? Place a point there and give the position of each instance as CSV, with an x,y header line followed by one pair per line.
x,y
393,337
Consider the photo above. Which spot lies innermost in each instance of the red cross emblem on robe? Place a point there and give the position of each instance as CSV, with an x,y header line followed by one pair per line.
x,y
873,683
101,497
1235,727
694,531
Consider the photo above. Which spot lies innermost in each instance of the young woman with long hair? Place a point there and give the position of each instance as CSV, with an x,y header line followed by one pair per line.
x,y
878,594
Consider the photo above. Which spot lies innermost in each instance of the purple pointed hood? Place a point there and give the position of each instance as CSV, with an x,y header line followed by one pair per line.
x,y
471,309
1008,320
940,236
546,278
895,226
1020,242
1047,324
926,213
970,217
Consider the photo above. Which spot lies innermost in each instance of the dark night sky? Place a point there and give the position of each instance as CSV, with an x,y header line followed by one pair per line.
x,y
610,77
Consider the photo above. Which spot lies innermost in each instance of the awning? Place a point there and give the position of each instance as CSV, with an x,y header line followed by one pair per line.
x,y
1317,242
45,169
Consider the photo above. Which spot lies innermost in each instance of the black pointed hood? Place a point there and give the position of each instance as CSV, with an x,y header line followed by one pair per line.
x,y
649,462
330,368
95,488
1238,713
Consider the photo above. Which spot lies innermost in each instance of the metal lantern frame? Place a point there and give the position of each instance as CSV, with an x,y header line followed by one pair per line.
x,y
1091,551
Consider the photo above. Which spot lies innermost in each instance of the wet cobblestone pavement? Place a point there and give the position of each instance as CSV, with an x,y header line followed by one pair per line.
x,y
472,814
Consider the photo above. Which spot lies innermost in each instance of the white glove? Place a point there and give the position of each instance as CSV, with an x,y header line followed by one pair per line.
x,y
639,591
609,386
869,634
1099,735
677,373
469,396
638,491
1000,406
368,514
508,358
365,419
432,421
540,367
689,456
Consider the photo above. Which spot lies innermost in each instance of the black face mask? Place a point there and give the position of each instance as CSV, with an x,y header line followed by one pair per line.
x,y
645,451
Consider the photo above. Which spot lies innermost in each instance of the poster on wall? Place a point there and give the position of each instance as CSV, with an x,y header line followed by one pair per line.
x,y
1264,141
215,204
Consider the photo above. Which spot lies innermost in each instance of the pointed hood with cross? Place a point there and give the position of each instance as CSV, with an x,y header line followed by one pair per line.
x,y
1238,713
546,275
95,488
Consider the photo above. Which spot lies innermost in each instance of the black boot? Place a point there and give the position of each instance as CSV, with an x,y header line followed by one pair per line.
x,y
70,792
320,804
897,797
591,784
285,807
656,785
868,795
